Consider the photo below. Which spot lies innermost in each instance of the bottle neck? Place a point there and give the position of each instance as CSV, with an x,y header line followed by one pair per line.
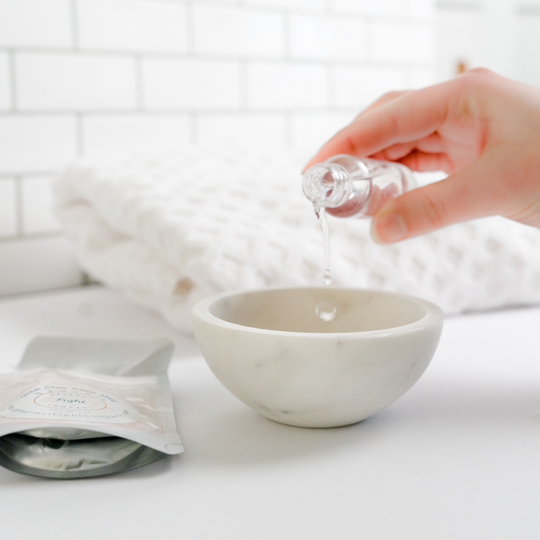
x,y
327,185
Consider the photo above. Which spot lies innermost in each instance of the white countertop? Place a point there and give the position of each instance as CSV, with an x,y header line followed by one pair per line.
x,y
457,457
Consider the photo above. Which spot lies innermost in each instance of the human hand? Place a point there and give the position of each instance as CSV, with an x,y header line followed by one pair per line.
x,y
480,128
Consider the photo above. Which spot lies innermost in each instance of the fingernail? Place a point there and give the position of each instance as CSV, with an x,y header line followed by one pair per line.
x,y
388,228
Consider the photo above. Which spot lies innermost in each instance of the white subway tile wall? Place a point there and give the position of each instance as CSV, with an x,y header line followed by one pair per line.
x,y
276,85
36,196
421,9
419,78
500,35
101,76
188,84
362,84
391,8
8,205
398,41
36,142
318,38
64,81
104,134
292,4
307,128
236,130
36,23
5,90
459,33
238,32
528,46
131,26
36,264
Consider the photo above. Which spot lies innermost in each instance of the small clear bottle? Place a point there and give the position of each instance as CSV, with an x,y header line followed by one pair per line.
x,y
347,186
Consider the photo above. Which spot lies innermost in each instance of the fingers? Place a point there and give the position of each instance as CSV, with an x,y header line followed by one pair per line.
x,y
420,161
410,116
431,144
425,162
469,194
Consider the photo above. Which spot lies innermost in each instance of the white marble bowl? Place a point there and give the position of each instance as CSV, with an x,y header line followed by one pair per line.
x,y
272,351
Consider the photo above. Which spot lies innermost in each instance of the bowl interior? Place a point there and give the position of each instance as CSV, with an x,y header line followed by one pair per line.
x,y
295,310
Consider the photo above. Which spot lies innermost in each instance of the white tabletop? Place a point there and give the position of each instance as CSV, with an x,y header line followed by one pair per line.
x,y
457,457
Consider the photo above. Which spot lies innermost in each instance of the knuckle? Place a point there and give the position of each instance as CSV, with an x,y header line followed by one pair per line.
x,y
435,212
383,99
391,95
394,122
351,145
475,78
479,72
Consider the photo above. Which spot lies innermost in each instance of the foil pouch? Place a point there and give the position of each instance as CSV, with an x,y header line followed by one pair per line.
x,y
77,408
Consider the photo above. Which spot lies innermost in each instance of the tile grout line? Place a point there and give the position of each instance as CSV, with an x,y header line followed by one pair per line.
x,y
74,16
19,207
243,86
224,58
166,111
287,36
25,174
13,82
12,234
190,38
30,237
79,134
139,84
459,5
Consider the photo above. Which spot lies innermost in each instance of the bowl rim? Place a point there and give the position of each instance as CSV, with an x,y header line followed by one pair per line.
x,y
434,315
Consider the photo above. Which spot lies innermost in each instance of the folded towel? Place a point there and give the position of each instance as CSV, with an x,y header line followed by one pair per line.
x,y
168,230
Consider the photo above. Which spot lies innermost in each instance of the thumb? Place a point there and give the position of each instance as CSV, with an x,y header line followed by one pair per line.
x,y
474,192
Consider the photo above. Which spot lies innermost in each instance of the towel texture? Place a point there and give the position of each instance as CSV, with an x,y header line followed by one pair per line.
x,y
168,230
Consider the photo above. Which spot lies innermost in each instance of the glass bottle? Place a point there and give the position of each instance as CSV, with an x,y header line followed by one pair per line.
x,y
347,186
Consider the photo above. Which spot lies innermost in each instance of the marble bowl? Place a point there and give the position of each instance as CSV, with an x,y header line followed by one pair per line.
x,y
272,351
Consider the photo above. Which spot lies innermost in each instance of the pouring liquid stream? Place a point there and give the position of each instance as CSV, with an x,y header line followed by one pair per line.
x,y
351,187
326,311
323,222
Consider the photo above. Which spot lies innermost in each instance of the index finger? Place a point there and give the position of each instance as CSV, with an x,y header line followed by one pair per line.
x,y
385,98
406,118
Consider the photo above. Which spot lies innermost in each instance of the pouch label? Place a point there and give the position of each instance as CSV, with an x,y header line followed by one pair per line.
x,y
71,404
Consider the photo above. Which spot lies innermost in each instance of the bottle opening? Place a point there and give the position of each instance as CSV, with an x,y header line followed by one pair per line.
x,y
327,185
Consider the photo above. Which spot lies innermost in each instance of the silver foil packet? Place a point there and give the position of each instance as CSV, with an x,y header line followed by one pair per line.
x,y
78,408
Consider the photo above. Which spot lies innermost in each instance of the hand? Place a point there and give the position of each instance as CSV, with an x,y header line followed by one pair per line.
x,y
480,128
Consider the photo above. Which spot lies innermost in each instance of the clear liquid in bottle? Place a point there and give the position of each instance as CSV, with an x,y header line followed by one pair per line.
x,y
352,187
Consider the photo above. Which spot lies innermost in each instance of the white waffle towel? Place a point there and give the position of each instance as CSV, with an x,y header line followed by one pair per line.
x,y
168,230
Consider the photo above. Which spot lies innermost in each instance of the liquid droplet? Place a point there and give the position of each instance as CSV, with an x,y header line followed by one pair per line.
x,y
325,311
